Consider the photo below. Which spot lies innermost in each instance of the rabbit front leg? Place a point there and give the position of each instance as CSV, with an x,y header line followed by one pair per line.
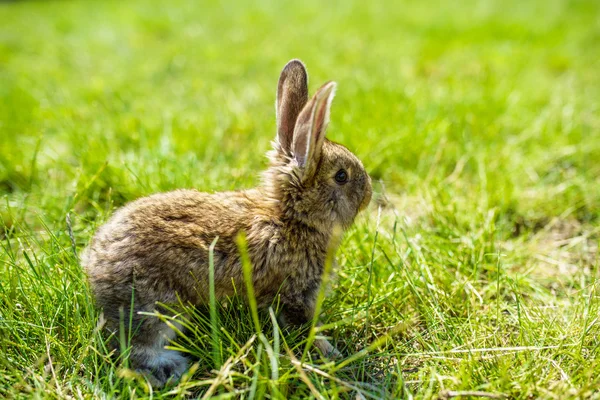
x,y
298,309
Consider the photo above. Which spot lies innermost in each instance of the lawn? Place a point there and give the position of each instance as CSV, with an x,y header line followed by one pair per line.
x,y
474,269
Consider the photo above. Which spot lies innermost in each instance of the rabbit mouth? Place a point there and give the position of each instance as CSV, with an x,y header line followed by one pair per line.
x,y
365,202
368,194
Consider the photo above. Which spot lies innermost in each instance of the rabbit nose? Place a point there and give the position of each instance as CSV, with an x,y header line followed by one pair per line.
x,y
368,193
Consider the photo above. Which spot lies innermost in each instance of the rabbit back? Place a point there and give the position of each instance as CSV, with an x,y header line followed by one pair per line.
x,y
157,247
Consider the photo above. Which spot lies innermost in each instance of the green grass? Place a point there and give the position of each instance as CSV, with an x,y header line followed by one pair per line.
x,y
475,268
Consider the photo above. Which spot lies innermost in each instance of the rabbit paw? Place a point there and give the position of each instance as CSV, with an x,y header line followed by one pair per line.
x,y
164,368
327,349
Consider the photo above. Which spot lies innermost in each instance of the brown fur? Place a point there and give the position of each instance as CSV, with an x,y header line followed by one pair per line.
x,y
157,246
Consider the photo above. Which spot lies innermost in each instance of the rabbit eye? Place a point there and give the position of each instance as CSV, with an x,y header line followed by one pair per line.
x,y
341,176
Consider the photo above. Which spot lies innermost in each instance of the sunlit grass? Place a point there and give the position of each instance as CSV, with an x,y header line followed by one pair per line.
x,y
474,269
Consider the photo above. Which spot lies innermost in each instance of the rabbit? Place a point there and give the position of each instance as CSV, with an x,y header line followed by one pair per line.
x,y
155,249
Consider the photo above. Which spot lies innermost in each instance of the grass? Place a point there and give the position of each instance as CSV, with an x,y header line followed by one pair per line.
x,y
475,268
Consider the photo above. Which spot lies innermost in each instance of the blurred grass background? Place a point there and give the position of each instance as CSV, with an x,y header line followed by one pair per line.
x,y
479,121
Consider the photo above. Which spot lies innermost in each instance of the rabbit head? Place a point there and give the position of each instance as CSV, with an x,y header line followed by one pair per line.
x,y
315,181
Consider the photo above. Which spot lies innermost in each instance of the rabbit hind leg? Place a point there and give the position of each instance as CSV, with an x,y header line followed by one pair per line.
x,y
149,357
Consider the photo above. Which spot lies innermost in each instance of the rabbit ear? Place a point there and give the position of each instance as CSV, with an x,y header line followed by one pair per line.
x,y
292,95
309,133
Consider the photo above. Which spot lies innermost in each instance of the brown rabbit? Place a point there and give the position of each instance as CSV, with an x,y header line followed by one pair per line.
x,y
155,249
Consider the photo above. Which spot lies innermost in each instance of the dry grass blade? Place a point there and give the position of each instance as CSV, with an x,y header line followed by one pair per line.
x,y
226,368
448,394
297,364
488,350
317,371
